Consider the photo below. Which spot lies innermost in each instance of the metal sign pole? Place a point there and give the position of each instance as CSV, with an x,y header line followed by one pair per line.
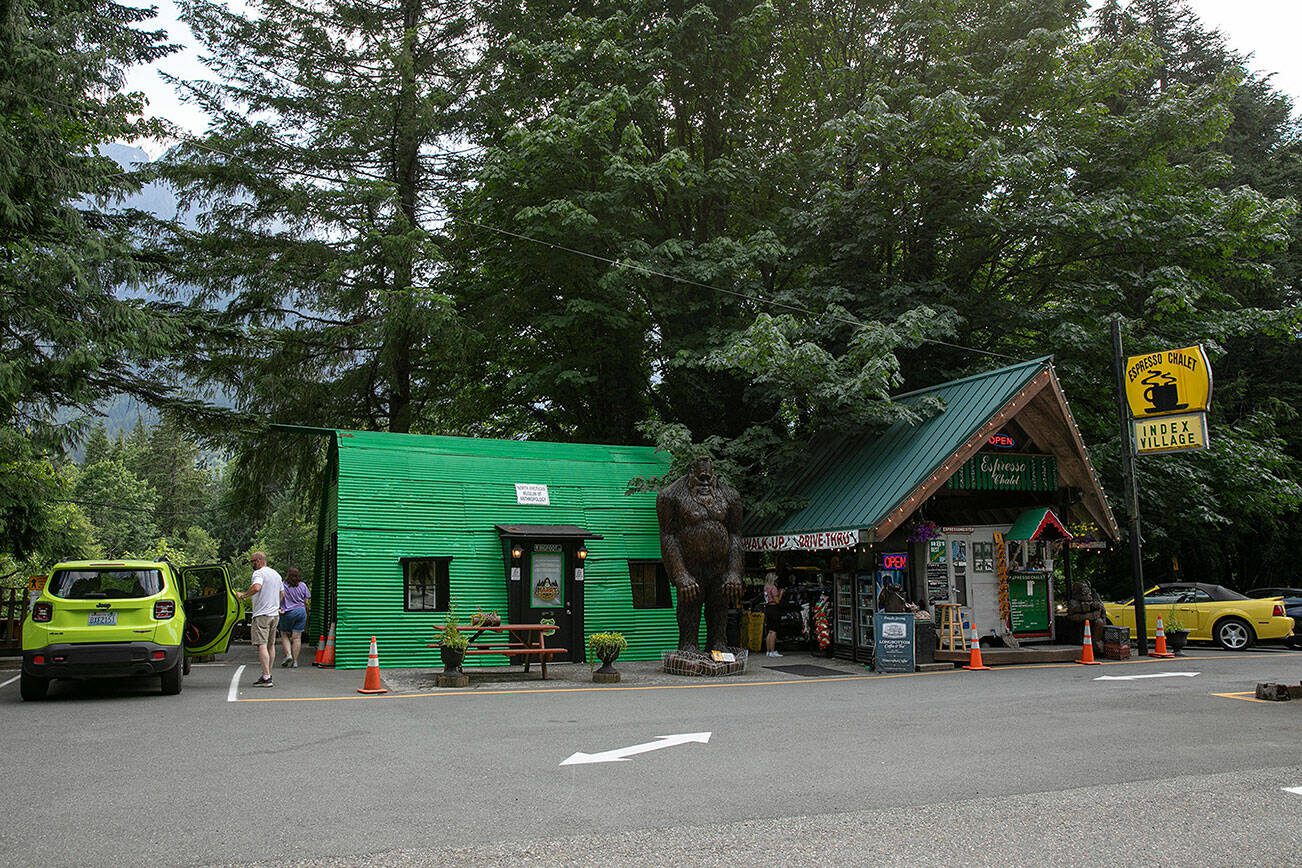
x,y
1132,493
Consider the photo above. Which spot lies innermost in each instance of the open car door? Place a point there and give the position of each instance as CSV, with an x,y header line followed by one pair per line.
x,y
211,609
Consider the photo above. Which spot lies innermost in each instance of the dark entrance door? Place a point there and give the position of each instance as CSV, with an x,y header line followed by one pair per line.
x,y
550,594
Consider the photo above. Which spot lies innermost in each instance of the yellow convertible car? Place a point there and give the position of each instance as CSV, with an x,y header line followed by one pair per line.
x,y
1209,612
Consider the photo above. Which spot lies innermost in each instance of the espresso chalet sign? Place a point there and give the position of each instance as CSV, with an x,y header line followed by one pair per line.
x,y
989,471
806,542
1168,382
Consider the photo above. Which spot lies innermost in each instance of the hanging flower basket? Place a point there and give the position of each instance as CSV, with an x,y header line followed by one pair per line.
x,y
924,531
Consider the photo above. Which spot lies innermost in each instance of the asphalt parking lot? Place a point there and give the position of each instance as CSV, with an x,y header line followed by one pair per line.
x,y
1027,760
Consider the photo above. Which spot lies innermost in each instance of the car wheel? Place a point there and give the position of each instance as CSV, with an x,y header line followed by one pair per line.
x,y
1234,634
33,688
172,680
186,667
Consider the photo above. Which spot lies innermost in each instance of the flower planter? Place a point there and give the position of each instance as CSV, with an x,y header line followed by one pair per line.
x,y
1175,640
452,658
607,674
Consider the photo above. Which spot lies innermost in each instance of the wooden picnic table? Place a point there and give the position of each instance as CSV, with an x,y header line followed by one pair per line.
x,y
521,640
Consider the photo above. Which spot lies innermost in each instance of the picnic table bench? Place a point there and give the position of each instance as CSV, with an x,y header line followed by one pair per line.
x,y
528,641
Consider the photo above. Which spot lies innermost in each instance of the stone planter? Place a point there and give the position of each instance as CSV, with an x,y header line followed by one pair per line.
x,y
452,658
1175,640
607,674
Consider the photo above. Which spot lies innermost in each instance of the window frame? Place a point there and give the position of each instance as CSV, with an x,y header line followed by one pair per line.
x,y
664,598
442,581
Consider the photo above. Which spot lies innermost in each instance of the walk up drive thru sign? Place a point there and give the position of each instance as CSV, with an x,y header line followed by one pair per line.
x,y
1162,399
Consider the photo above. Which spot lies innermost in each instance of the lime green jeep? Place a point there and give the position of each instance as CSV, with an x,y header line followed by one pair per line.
x,y
126,618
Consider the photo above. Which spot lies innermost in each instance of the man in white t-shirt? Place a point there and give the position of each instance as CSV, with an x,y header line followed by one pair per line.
x,y
265,589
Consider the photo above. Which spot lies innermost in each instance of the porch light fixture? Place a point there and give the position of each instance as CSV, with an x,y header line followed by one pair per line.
x,y
582,553
516,552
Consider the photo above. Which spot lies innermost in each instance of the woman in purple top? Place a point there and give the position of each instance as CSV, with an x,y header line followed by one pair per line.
x,y
293,615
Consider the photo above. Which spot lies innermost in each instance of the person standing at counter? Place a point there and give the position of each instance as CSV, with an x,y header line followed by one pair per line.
x,y
772,612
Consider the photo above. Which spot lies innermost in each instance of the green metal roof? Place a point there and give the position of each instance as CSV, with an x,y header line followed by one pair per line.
x,y
852,482
1036,523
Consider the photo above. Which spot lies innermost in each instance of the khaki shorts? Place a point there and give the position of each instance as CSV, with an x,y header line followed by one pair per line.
x,y
263,629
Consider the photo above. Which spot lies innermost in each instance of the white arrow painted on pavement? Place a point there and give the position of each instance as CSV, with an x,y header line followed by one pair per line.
x,y
1297,790
622,754
1153,675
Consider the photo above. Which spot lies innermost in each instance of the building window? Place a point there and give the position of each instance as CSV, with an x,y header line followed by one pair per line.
x,y
650,585
425,584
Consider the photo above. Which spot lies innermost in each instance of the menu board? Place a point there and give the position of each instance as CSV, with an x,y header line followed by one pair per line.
x,y
893,642
959,560
1028,602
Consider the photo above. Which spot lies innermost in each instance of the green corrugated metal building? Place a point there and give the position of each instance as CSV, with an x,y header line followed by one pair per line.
x,y
410,523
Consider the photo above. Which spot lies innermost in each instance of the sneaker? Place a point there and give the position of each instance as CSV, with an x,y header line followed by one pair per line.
x,y
777,653
285,664
293,664
262,682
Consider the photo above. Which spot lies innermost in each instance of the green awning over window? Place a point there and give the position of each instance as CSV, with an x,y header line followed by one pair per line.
x,y
1038,523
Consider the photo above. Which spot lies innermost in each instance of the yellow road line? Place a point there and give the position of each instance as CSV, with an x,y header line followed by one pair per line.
x,y
718,684
1244,695
631,688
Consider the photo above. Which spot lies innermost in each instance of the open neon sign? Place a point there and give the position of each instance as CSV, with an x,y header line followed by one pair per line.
x,y
895,561
1002,441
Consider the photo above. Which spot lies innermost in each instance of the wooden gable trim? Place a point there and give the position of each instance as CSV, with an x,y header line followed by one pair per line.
x,y
1076,456
940,475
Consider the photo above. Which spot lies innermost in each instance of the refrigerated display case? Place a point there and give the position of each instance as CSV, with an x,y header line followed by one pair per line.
x,y
865,608
853,607
843,603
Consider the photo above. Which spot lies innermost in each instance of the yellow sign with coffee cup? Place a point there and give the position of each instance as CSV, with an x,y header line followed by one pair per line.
x,y
1168,382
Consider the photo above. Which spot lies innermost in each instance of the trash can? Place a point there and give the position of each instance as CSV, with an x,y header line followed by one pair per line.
x,y
924,641
753,630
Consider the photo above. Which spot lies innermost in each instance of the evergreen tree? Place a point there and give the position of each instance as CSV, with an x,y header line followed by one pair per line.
x,y
120,507
66,338
332,144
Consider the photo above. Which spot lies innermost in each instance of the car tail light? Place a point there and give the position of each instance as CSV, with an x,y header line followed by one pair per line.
x,y
164,609
38,659
157,655
42,612
1279,611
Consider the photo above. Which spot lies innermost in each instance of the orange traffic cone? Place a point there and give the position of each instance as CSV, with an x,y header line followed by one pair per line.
x,y
320,650
1087,648
1159,649
328,655
974,661
372,682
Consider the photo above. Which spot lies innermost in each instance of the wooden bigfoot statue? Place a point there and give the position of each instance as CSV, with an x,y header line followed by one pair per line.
x,y
700,540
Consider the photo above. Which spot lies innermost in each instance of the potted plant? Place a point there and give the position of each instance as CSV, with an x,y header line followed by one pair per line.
x,y
452,645
606,647
1176,633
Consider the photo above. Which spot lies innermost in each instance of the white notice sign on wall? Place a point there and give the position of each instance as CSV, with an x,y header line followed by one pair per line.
x,y
532,495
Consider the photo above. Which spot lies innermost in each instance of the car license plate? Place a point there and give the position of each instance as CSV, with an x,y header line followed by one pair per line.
x,y
103,619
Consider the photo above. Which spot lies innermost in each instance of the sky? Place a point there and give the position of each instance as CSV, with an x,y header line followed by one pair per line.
x,y
1266,29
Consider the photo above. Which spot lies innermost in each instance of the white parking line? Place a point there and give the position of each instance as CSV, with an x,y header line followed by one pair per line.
x,y
234,693
12,680
1295,790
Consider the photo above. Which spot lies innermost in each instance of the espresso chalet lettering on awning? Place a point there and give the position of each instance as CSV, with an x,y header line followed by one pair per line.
x,y
991,471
